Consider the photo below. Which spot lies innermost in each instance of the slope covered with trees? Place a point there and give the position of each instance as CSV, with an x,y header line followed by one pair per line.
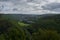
x,y
45,28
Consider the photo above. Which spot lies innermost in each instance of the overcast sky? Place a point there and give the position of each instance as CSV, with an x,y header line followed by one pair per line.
x,y
30,6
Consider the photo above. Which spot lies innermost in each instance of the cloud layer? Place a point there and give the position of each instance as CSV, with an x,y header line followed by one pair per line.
x,y
29,6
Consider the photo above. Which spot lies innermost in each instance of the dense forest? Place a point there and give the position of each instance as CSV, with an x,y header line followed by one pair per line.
x,y
44,28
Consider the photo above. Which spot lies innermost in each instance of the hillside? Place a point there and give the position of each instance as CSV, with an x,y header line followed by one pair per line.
x,y
28,18
49,22
46,27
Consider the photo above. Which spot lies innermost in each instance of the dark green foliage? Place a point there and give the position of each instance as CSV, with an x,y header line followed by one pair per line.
x,y
45,35
11,30
49,22
45,28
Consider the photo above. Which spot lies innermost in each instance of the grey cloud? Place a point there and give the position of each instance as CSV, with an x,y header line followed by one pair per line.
x,y
52,6
27,6
4,0
36,1
29,0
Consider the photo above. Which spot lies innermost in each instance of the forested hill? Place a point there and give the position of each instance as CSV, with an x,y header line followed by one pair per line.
x,y
26,17
49,22
46,27
52,16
